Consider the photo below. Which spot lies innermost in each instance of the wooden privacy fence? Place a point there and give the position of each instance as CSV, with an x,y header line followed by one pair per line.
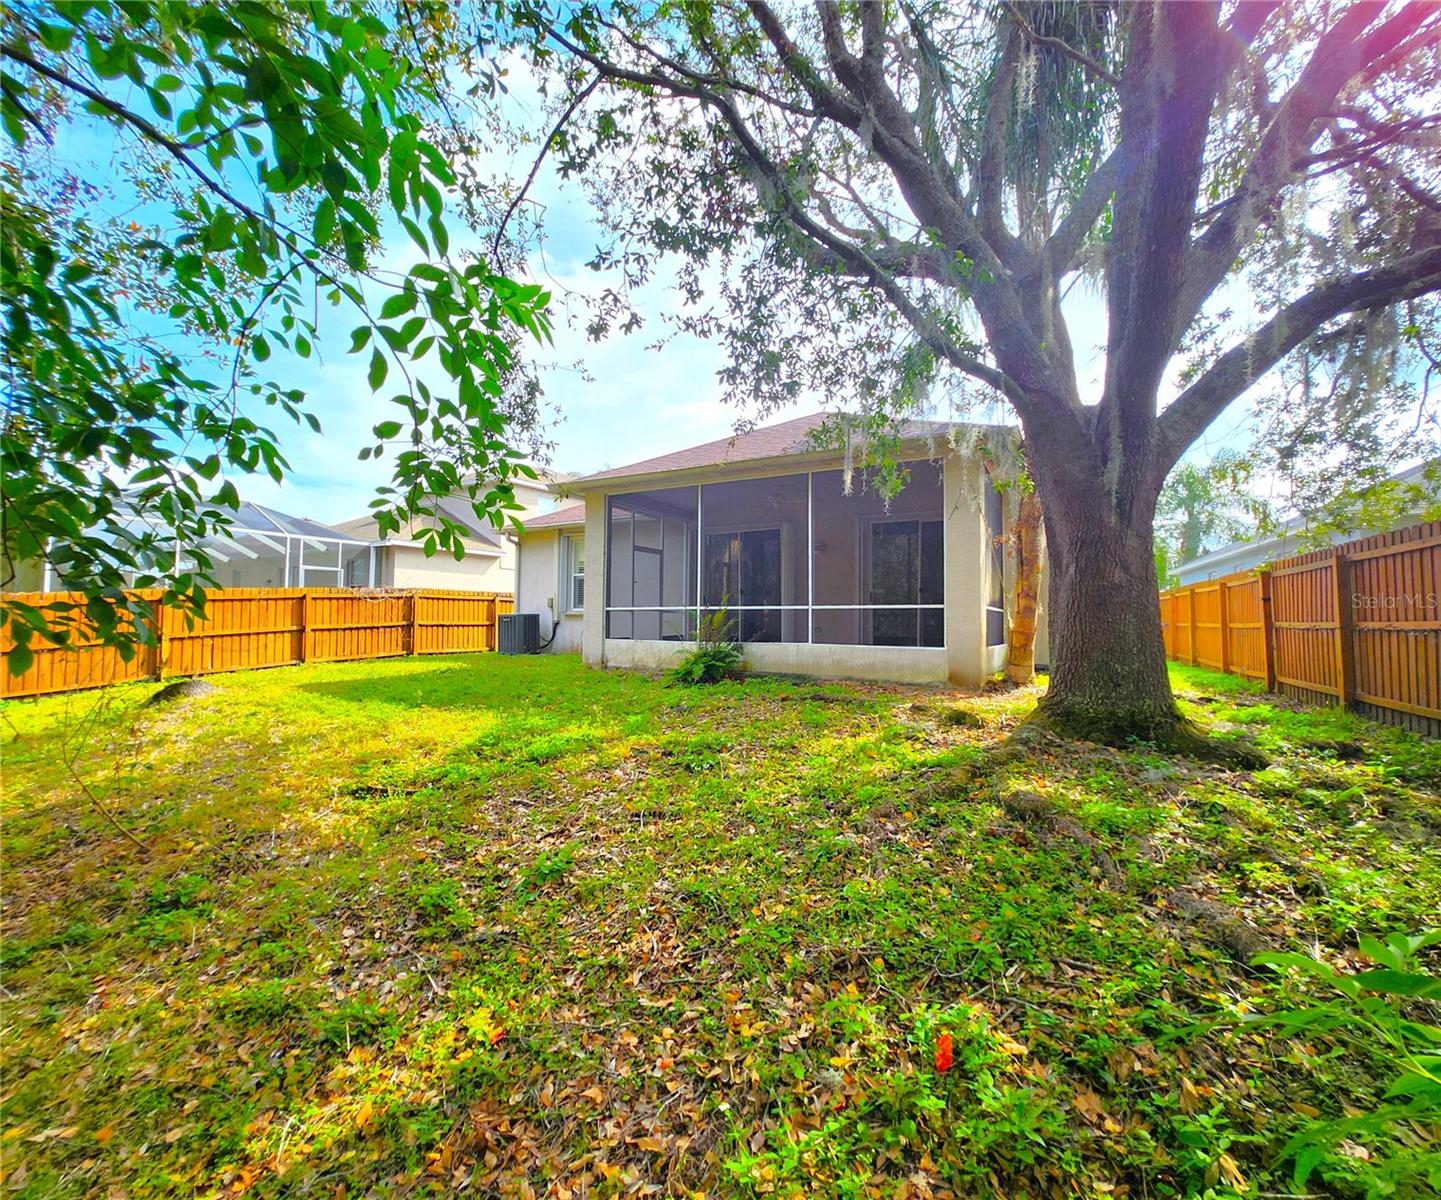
x,y
270,627
1357,625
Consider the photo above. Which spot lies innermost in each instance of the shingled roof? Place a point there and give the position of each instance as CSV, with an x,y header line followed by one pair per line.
x,y
769,441
571,514
458,509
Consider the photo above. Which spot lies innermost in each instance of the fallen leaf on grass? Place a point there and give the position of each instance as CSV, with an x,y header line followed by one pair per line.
x,y
945,1053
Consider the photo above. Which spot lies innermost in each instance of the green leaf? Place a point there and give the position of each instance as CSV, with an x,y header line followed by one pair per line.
x,y
379,368
1400,983
259,348
387,429
395,305
359,339
19,658
439,235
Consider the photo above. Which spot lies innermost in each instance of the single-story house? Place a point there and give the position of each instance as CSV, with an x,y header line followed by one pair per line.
x,y
489,564
820,574
1295,536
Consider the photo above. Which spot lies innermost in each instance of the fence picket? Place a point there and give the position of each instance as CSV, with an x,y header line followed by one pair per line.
x,y
267,627
1357,624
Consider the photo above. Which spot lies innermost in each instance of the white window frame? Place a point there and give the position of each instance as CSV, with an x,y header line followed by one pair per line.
x,y
569,575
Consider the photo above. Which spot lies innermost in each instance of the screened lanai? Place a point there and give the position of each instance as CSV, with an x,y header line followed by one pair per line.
x,y
789,558
262,547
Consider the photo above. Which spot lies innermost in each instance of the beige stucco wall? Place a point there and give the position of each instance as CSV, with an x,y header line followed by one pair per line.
x,y
968,565
540,589
406,566
28,575
900,664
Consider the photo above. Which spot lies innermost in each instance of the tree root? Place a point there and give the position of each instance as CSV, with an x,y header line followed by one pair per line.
x,y
949,714
1052,826
181,689
1220,926
1171,734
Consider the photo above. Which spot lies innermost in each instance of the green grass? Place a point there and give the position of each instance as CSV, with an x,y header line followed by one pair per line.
x,y
404,925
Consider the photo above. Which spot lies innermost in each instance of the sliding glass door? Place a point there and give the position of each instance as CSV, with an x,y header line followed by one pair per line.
x,y
743,572
906,567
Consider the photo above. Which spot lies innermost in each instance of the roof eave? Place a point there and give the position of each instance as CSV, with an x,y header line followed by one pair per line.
x,y
809,460
571,523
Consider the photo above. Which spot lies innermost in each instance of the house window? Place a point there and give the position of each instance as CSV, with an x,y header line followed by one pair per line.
x,y
789,558
996,583
574,574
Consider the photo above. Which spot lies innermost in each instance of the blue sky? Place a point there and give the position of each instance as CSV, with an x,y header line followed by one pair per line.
x,y
630,401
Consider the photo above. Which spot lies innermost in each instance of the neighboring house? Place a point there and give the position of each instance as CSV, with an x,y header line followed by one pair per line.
x,y
818,581
261,547
490,554
1290,539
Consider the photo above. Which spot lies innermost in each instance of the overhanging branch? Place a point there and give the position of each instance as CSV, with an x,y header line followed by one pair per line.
x,y
1345,50
1236,370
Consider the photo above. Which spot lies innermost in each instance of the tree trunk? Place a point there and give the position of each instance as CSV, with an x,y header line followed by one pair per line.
x,y
1026,545
1108,661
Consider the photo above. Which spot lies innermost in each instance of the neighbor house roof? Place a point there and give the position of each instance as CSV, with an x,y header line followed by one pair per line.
x,y
484,541
571,514
1241,556
249,517
259,519
769,441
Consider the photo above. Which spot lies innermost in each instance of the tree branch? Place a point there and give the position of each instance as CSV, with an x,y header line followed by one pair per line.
x,y
1340,54
576,101
1064,47
826,99
1065,243
1195,408
991,170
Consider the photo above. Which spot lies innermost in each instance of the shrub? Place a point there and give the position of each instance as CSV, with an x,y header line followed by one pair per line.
x,y
717,653
1381,1013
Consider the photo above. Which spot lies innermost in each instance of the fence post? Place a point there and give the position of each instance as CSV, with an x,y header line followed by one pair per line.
x,y
1345,663
411,626
305,626
1268,632
160,647
1223,599
1191,624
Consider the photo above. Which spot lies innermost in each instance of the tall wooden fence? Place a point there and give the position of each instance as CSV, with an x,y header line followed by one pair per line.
x,y
270,627
1357,625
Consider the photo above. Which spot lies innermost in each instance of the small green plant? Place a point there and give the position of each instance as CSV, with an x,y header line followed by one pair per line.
x,y
549,867
717,653
438,901
1376,1012
264,1003
355,1022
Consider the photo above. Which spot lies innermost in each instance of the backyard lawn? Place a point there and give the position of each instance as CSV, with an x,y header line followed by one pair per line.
x,y
407,926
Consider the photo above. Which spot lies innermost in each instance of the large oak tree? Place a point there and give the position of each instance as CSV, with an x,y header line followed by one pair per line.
x,y
869,196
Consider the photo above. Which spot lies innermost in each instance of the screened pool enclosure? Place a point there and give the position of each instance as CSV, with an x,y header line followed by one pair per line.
x,y
260,547
789,558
